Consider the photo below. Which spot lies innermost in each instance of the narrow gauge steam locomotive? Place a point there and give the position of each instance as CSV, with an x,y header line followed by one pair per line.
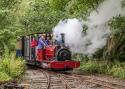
x,y
54,56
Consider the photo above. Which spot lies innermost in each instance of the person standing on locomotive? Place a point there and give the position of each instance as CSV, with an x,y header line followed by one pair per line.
x,y
58,40
47,40
33,46
41,45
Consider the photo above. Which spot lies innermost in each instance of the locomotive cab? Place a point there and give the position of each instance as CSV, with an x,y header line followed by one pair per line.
x,y
53,56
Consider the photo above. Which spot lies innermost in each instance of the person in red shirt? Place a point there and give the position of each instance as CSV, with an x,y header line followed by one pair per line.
x,y
33,46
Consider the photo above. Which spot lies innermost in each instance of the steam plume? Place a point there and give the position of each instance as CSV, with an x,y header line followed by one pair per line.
x,y
97,33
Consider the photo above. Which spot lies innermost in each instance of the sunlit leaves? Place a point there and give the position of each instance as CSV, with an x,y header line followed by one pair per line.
x,y
11,11
118,24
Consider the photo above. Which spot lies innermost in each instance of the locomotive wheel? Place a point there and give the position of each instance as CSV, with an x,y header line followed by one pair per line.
x,y
63,54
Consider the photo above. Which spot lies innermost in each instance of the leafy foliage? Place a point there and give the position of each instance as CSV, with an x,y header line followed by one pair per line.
x,y
115,48
4,77
10,13
21,17
11,67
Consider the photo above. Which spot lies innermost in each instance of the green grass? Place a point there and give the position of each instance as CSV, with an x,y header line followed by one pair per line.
x,y
11,68
116,69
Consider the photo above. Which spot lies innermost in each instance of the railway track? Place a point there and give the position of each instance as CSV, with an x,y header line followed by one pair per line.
x,y
73,81
41,79
37,79
98,82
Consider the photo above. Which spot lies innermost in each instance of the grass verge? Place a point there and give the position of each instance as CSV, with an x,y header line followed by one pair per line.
x,y
116,69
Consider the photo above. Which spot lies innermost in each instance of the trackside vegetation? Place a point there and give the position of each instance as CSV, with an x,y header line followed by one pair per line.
x,y
11,68
115,69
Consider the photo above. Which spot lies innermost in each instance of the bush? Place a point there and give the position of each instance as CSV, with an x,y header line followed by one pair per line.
x,y
94,67
12,67
118,70
89,67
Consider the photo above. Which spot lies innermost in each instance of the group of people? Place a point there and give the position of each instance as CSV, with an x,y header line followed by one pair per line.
x,y
39,44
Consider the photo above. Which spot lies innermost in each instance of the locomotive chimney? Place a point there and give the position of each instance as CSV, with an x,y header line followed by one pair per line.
x,y
63,38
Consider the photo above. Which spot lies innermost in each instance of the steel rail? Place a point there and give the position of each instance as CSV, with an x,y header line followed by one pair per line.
x,y
67,86
48,79
107,84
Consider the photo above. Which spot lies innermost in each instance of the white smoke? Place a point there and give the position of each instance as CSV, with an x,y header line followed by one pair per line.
x,y
97,33
72,28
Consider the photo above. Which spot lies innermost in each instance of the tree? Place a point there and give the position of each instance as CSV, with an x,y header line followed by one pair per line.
x,y
10,13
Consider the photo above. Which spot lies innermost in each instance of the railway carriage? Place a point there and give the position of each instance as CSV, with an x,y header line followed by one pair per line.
x,y
53,56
